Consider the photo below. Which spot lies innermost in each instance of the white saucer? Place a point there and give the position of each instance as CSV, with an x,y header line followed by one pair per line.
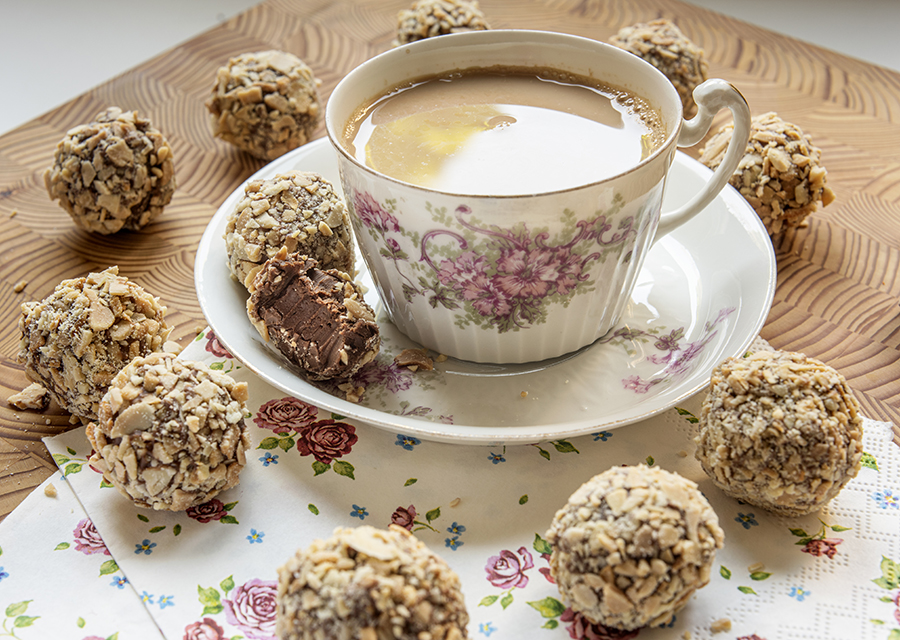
x,y
713,278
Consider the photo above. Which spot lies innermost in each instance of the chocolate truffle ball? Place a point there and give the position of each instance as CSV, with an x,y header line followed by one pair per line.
x,y
170,434
265,103
369,583
429,18
113,173
780,431
663,45
317,318
297,210
76,339
780,174
632,545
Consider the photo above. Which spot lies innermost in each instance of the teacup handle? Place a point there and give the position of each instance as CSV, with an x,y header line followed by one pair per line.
x,y
711,97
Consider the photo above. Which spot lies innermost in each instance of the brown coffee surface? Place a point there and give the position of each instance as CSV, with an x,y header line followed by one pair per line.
x,y
504,131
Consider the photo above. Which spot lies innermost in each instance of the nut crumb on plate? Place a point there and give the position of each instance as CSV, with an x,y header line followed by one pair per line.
x,y
50,490
19,287
414,359
720,625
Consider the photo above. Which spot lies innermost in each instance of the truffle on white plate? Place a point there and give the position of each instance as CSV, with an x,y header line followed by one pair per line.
x,y
297,210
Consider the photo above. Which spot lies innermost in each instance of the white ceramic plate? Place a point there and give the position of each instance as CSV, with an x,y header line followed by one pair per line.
x,y
703,295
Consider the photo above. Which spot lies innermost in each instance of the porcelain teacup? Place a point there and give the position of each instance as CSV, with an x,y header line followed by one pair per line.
x,y
531,276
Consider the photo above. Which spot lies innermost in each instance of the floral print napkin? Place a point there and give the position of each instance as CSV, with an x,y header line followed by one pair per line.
x,y
58,578
210,573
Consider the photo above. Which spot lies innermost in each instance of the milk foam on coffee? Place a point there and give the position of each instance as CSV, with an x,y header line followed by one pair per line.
x,y
504,131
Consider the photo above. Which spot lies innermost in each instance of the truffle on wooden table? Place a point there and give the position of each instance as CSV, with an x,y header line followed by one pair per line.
x,y
662,44
430,18
632,545
76,339
297,210
170,434
317,318
780,431
780,175
113,173
265,103
370,584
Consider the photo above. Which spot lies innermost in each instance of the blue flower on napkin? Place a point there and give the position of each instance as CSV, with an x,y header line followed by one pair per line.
x,y
255,536
166,601
147,597
359,512
407,442
486,628
119,581
799,593
496,458
456,529
746,520
453,543
145,547
268,459
885,499
3,573
603,436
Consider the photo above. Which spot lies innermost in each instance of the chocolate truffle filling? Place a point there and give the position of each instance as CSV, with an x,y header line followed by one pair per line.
x,y
307,316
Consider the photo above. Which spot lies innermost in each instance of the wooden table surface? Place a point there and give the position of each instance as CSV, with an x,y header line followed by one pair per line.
x,y
838,279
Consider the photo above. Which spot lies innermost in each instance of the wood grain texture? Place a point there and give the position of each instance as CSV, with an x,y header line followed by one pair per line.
x,y
838,282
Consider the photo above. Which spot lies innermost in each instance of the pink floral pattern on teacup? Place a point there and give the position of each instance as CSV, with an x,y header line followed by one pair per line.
x,y
497,278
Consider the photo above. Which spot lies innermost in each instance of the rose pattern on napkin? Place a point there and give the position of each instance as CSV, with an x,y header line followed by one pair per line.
x,y
507,571
213,511
408,465
297,424
217,349
250,608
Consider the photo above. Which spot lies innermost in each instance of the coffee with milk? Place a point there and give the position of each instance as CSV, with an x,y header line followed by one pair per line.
x,y
504,131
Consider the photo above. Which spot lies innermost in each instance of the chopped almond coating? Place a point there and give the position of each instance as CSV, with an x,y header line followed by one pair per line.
x,y
780,431
75,340
780,175
170,433
297,211
430,18
371,584
265,103
663,45
632,545
116,172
